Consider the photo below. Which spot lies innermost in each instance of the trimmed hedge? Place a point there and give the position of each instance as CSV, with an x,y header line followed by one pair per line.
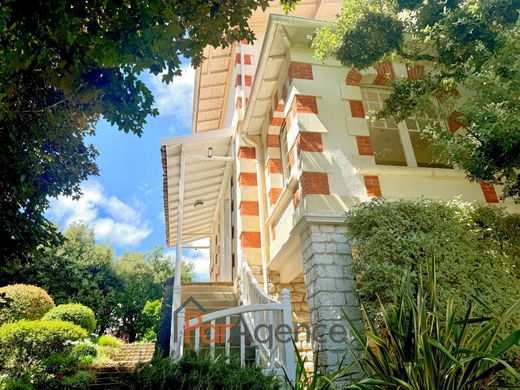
x,y
24,302
28,340
84,349
73,312
109,341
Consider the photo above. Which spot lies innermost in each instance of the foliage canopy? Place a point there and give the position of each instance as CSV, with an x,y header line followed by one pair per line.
x,y
472,74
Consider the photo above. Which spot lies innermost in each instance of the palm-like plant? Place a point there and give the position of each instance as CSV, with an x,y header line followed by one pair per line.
x,y
417,347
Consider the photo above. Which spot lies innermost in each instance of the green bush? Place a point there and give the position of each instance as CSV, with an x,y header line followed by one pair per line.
x,y
73,312
84,349
24,302
25,341
199,372
476,248
109,341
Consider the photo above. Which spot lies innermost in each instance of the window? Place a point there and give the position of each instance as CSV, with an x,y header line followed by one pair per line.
x,y
284,153
386,141
398,143
424,155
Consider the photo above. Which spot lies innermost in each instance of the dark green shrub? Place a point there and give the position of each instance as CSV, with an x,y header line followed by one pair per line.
x,y
73,312
24,302
109,341
199,372
25,341
476,249
60,363
84,349
417,346
80,380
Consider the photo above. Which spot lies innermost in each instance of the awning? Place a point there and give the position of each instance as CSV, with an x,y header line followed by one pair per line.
x,y
191,195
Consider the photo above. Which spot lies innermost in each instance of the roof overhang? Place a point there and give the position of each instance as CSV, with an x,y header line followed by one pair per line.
x,y
282,33
207,159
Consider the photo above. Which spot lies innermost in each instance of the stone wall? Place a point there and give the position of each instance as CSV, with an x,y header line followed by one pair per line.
x,y
329,279
300,311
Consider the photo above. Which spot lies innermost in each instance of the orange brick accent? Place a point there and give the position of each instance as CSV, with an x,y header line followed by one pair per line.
x,y
385,70
274,165
415,72
314,183
292,157
249,207
273,141
248,78
306,104
246,152
296,197
274,194
309,142
364,145
276,121
247,179
372,186
284,93
489,192
453,123
356,108
353,77
277,104
239,102
300,70
247,59
250,240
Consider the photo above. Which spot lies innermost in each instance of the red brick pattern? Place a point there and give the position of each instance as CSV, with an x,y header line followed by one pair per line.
x,y
453,123
248,80
306,104
296,197
353,77
364,144
246,152
356,108
385,70
284,93
292,157
415,72
249,207
314,183
247,179
274,194
489,192
250,240
273,141
276,121
309,142
372,186
274,165
300,70
247,59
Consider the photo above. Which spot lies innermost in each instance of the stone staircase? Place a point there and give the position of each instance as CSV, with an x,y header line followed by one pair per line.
x,y
213,297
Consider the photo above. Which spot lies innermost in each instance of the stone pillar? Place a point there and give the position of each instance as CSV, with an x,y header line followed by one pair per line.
x,y
329,278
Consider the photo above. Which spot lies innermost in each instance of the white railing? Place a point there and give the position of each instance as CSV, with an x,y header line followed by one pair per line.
x,y
267,322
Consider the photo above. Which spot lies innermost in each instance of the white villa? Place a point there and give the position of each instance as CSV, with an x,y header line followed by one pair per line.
x,y
281,149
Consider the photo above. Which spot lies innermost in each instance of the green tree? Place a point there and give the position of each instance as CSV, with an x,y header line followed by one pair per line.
x,y
472,79
142,279
65,65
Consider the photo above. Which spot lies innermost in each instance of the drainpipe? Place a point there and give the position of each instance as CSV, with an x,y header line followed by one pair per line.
x,y
260,174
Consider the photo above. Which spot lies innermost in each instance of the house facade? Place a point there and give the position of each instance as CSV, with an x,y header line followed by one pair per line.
x,y
281,149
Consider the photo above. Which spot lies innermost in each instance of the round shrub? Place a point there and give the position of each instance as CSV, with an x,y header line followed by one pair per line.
x,y
28,340
109,341
25,302
84,349
73,312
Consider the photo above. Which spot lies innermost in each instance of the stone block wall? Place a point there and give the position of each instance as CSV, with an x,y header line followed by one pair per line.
x,y
329,279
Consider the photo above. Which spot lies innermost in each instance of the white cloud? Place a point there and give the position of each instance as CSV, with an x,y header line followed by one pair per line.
x,y
175,99
113,220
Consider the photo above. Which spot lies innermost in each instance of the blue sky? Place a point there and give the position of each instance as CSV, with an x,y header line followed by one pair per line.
x,y
124,204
